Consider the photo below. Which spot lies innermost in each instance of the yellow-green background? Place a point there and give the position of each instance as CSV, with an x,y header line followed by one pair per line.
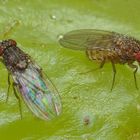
x,y
36,26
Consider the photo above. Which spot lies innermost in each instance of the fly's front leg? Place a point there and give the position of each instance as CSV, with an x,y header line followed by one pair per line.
x,y
114,74
9,29
9,84
100,67
131,65
18,98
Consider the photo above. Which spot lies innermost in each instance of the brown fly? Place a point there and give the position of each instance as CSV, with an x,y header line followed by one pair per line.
x,y
105,46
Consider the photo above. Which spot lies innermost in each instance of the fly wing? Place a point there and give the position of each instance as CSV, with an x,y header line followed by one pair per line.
x,y
38,92
84,39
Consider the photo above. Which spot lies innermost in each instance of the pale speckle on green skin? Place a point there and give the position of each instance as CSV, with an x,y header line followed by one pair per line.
x,y
39,24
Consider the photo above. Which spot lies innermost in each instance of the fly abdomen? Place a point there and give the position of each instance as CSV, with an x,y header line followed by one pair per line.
x,y
39,94
102,55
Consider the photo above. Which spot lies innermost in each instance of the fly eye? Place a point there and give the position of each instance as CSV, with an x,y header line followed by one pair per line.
x,y
12,42
1,50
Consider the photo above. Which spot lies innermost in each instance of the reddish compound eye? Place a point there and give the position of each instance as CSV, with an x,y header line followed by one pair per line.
x,y
137,56
1,50
12,42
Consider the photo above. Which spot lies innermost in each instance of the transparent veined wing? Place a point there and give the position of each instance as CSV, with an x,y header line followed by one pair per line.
x,y
38,92
84,39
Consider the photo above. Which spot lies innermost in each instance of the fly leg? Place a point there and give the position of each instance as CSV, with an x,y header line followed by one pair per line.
x,y
100,67
114,74
18,98
9,29
131,65
9,84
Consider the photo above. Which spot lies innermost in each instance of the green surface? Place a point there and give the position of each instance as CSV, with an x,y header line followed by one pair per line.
x,y
90,110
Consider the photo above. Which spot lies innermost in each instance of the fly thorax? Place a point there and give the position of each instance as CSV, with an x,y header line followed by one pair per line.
x,y
22,64
15,59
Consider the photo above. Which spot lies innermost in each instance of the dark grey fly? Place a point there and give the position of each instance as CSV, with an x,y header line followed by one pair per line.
x,y
37,91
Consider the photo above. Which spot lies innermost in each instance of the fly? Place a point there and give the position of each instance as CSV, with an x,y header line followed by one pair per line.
x,y
37,91
105,46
